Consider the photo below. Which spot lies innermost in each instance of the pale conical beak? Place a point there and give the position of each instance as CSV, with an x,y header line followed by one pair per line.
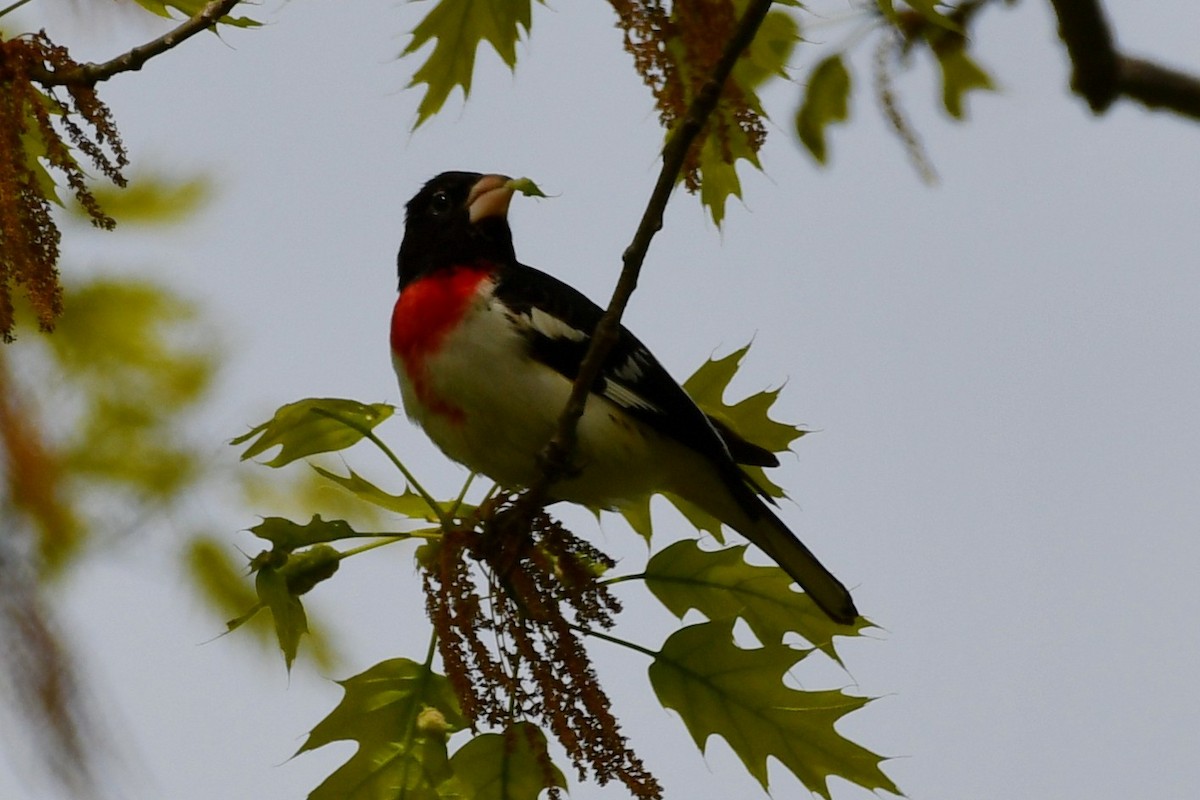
x,y
489,197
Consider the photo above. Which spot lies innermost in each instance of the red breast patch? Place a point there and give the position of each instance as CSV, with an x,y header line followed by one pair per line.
x,y
425,312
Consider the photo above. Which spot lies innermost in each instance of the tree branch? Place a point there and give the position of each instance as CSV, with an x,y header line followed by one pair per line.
x,y
91,74
556,456
1102,74
1159,87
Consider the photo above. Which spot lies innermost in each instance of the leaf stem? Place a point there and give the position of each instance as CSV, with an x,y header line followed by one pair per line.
x,y
458,501
369,434
386,539
433,638
639,576
614,640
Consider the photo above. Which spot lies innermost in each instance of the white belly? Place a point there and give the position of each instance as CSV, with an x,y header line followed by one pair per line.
x,y
510,406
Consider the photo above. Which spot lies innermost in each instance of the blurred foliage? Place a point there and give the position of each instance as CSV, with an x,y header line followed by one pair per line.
x,y
150,201
100,412
97,446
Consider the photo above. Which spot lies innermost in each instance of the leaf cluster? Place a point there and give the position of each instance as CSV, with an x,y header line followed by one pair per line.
x,y
513,610
95,450
29,237
510,638
50,116
107,423
923,26
675,45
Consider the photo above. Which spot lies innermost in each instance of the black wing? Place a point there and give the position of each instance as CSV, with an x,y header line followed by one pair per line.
x,y
560,321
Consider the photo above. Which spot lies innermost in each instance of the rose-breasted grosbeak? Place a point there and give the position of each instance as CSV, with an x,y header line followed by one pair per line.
x,y
486,350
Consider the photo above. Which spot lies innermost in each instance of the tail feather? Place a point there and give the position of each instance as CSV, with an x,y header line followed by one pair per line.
x,y
771,536
732,499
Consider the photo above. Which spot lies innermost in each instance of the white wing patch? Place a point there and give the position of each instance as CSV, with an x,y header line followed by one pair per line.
x,y
626,398
633,367
552,327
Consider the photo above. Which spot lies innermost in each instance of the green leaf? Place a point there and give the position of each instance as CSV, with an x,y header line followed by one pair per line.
x,y
526,187
739,695
35,150
513,765
280,579
826,102
960,74
400,713
888,9
718,171
191,8
307,568
286,610
224,584
720,584
699,519
770,52
315,425
128,388
638,517
220,579
410,504
150,200
929,12
287,535
459,27
748,418
729,135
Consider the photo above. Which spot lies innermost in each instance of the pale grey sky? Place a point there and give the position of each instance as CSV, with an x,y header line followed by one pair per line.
x,y
1002,370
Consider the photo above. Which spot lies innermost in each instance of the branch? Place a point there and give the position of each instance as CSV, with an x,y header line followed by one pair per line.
x,y
1159,87
90,74
1102,74
556,456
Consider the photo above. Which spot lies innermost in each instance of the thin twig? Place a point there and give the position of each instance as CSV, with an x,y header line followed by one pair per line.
x,y
556,456
90,74
11,8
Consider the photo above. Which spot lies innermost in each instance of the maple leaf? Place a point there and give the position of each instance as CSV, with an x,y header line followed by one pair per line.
x,y
513,765
720,584
749,418
280,579
315,425
457,28
400,713
728,140
739,695
409,504
284,534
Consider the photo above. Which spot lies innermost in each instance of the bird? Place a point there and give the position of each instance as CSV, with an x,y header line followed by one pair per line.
x,y
486,350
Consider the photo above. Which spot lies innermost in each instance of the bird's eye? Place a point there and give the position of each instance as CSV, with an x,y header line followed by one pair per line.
x,y
439,203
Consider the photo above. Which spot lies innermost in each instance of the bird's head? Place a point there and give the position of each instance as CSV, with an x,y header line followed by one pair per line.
x,y
457,219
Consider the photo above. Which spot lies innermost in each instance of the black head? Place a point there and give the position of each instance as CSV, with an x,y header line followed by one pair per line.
x,y
457,218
